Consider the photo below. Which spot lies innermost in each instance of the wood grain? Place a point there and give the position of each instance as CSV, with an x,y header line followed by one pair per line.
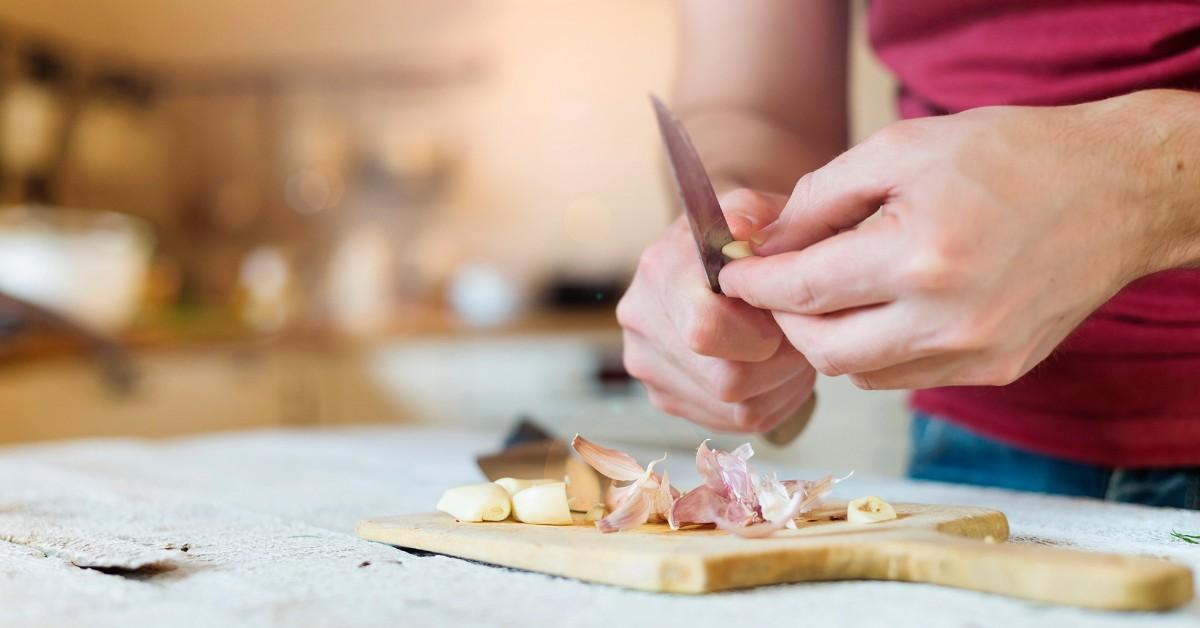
x,y
946,545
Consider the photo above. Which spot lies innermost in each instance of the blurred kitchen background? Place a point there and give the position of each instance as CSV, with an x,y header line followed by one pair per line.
x,y
233,214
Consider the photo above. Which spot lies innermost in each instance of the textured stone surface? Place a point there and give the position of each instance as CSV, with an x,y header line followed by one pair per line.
x,y
267,520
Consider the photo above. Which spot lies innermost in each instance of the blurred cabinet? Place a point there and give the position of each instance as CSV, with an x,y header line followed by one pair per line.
x,y
183,391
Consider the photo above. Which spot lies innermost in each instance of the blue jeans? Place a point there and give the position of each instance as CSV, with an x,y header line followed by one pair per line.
x,y
945,452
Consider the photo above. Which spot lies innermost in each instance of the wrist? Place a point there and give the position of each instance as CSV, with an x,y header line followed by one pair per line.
x,y
1155,135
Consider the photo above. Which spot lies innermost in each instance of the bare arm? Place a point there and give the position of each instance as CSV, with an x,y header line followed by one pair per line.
x,y
761,86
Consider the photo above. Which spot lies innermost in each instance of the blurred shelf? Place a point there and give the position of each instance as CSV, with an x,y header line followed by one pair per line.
x,y
215,329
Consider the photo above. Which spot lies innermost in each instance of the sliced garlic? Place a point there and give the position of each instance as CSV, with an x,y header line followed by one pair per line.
x,y
870,509
514,486
545,504
737,249
476,502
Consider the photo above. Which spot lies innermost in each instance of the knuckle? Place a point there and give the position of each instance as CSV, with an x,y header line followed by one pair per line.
x,y
1000,372
805,185
800,293
825,366
663,402
653,259
863,382
826,363
627,312
974,335
749,413
896,134
702,332
739,196
729,382
635,366
933,271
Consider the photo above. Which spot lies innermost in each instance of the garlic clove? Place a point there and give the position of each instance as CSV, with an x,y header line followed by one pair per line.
x,y
544,504
737,250
870,509
476,502
514,486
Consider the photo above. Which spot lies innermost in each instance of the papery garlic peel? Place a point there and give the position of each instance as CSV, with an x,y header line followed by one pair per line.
x,y
869,509
476,502
544,504
636,495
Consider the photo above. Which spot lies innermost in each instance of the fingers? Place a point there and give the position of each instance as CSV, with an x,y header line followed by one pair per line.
x,y
857,341
852,269
732,381
747,210
677,390
712,359
835,197
670,280
786,404
954,369
718,326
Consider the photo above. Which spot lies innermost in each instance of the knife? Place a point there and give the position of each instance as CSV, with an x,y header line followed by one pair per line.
x,y
711,233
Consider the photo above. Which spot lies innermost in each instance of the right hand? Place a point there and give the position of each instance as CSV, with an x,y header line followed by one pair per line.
x,y
708,358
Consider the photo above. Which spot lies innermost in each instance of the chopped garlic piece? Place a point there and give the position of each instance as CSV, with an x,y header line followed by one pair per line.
x,y
869,509
476,502
514,486
545,504
737,250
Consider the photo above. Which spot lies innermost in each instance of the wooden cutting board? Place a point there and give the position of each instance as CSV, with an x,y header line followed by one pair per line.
x,y
946,545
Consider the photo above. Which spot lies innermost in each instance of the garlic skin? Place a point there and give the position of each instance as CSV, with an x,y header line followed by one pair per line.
x,y
544,504
476,502
869,509
737,249
514,485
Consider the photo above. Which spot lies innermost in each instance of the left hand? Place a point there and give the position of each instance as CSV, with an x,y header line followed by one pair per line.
x,y
998,231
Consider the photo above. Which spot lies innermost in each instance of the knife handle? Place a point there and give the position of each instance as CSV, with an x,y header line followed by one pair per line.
x,y
790,428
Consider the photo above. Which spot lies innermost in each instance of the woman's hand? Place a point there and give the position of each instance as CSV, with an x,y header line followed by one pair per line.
x,y
997,232
702,356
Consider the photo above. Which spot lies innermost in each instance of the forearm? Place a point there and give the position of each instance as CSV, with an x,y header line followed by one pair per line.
x,y
742,148
761,87
1158,134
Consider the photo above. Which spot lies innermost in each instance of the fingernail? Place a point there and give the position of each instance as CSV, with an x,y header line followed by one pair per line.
x,y
740,223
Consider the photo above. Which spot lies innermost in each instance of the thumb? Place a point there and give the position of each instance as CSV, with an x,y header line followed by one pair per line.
x,y
748,211
826,201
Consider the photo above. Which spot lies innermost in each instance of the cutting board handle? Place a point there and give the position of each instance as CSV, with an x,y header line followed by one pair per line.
x,y
1033,572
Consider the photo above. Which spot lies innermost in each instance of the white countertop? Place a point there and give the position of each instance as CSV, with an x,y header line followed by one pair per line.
x,y
268,520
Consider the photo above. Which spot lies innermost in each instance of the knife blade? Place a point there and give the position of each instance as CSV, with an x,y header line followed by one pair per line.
x,y
700,204
711,233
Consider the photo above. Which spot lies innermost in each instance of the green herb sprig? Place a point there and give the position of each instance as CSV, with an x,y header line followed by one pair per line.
x,y
1194,539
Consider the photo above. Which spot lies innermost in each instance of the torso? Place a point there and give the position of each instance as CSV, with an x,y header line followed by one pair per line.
x,y
1124,388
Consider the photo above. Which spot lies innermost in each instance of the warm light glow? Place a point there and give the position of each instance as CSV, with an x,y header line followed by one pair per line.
x,y
309,191
587,220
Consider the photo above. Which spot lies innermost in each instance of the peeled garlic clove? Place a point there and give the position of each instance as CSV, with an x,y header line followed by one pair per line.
x,y
514,486
476,502
545,504
737,249
870,509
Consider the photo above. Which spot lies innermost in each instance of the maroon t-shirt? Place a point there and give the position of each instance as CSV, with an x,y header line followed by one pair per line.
x,y
1124,388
